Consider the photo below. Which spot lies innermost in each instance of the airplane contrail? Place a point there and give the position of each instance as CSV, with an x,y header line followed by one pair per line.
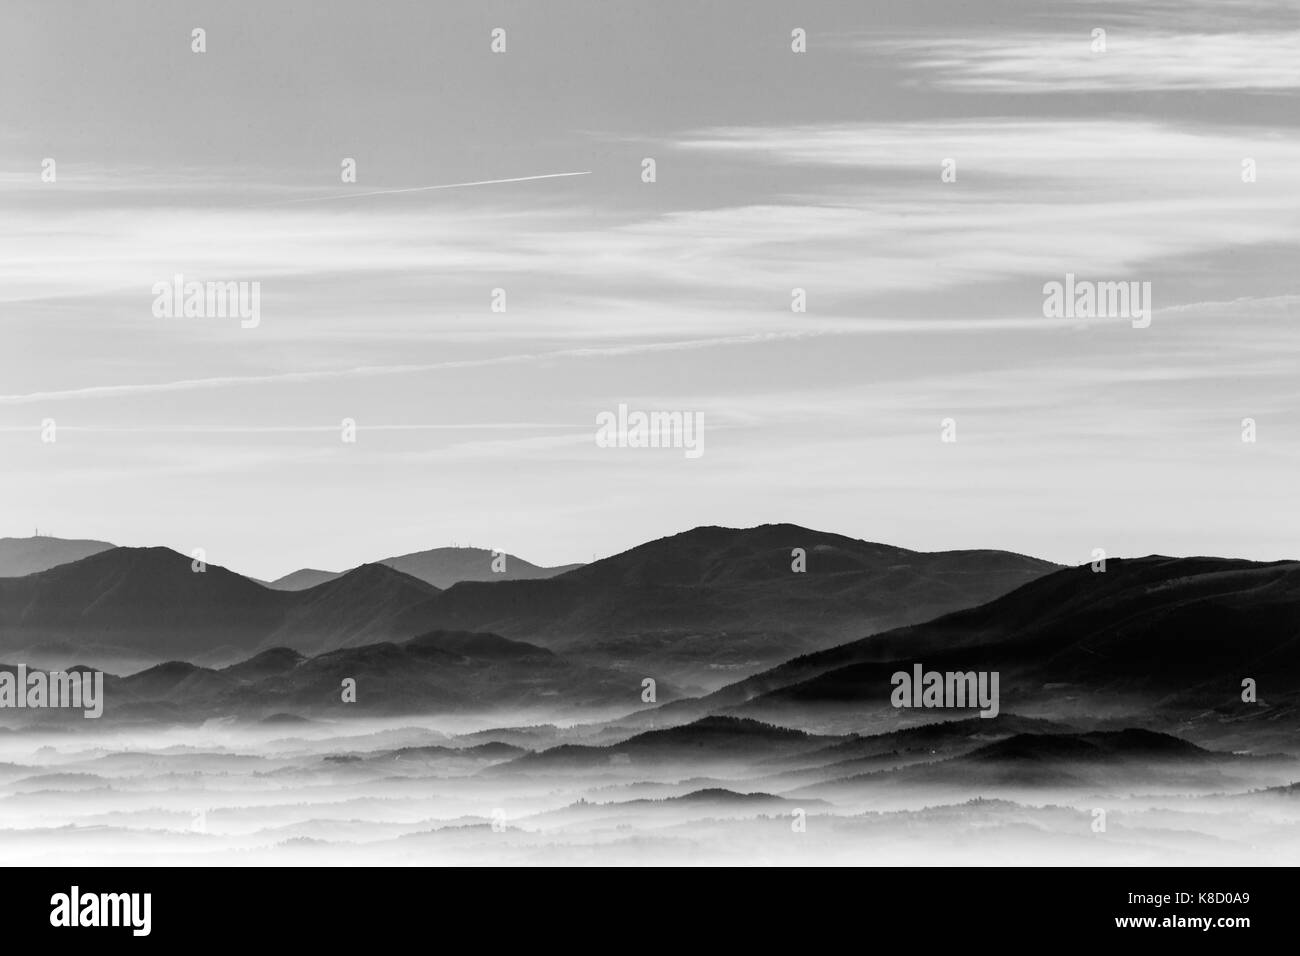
x,y
367,371
418,189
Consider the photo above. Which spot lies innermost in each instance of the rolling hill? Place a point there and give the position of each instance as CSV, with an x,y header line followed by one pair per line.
x,y
1157,637
440,672
712,604
441,567
20,556
150,602
697,608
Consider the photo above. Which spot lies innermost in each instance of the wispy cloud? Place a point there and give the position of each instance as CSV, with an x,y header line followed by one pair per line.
x,y
1030,198
186,385
1133,60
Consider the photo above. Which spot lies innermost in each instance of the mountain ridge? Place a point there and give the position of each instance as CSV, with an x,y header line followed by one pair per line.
x,y
441,567
700,606
23,556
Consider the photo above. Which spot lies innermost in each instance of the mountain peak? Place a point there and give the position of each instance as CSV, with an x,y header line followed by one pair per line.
x,y
439,567
23,556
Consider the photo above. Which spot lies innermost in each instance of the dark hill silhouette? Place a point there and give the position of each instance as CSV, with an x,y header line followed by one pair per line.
x,y
699,603
302,579
441,567
941,737
478,645
356,608
712,740
1128,757
1130,743
20,556
175,680
1147,634
720,795
436,673
269,663
148,599
152,601
697,606
494,751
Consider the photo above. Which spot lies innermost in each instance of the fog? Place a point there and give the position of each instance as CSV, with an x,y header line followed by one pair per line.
x,y
459,792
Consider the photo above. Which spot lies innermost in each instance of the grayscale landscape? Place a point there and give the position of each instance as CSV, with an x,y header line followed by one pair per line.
x,y
592,433
1118,703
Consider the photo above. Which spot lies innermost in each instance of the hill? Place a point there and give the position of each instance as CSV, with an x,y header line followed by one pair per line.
x,y
441,567
21,556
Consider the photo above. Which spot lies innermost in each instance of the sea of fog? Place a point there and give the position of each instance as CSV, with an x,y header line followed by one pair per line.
x,y
410,792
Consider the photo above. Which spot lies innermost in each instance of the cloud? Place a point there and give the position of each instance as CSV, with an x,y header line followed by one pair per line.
x,y
1032,199
1134,60
326,375
856,214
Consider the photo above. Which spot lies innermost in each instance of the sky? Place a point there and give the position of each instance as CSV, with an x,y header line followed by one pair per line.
x,y
775,170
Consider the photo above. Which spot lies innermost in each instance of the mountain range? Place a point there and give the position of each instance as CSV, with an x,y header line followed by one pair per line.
x,y
19,556
440,672
441,567
1164,641
138,603
777,624
695,609
710,604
